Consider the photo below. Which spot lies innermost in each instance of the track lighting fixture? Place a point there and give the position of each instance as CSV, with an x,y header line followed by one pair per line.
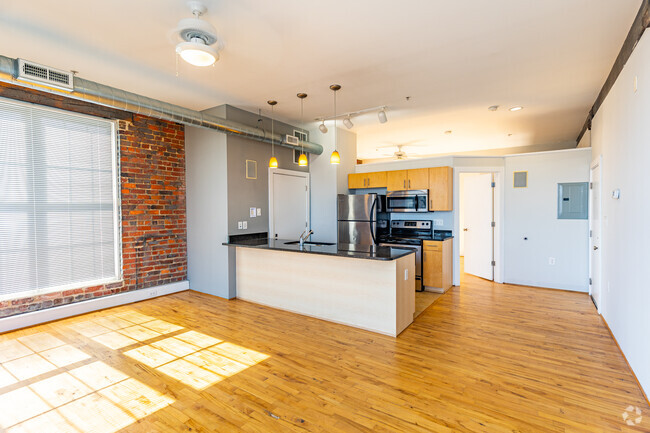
x,y
382,116
347,117
348,122
322,127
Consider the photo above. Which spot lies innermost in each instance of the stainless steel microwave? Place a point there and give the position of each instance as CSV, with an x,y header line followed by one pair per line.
x,y
407,201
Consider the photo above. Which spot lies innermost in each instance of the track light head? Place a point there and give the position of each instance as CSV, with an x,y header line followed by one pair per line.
x,y
322,127
348,122
382,116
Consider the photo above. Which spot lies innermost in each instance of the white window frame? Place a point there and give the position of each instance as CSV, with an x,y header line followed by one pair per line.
x,y
117,211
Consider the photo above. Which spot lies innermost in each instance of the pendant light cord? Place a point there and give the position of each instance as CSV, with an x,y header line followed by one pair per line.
x,y
336,134
272,132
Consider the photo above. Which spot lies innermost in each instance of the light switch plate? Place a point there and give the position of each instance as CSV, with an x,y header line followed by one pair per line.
x,y
259,211
252,212
240,225
245,223
438,222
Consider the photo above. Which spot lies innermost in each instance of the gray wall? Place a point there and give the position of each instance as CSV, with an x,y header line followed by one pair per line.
x,y
246,193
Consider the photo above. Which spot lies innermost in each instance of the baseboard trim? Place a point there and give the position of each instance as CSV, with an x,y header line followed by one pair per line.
x,y
25,320
625,358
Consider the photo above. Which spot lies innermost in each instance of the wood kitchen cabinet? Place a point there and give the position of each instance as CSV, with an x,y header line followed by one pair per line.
x,y
441,190
400,180
367,180
437,265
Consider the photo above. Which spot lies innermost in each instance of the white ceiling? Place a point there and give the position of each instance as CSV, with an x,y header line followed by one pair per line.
x,y
453,58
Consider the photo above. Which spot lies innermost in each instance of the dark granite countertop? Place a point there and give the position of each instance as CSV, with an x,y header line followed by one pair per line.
x,y
340,250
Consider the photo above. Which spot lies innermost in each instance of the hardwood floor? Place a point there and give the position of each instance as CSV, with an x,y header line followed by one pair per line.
x,y
484,358
423,300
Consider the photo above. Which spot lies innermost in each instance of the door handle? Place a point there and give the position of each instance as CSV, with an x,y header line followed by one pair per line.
x,y
465,229
595,247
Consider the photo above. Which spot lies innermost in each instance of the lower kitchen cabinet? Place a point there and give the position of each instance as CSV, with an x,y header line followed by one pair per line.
x,y
437,265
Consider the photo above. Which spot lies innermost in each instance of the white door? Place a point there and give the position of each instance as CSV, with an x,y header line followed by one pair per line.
x,y
594,231
289,206
478,231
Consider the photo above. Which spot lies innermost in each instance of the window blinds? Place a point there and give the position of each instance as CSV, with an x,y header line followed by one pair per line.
x,y
58,201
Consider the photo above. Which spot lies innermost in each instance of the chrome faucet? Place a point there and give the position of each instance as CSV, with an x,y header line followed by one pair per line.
x,y
303,236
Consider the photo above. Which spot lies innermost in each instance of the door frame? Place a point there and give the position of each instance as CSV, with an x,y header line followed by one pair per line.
x,y
598,162
303,174
499,211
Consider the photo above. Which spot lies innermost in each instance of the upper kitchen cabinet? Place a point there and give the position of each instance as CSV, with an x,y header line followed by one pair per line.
x,y
400,180
441,191
367,180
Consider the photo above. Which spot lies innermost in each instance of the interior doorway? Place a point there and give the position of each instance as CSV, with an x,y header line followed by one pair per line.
x,y
595,251
288,203
477,224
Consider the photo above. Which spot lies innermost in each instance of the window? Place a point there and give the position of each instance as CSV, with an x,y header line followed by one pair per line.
x,y
59,224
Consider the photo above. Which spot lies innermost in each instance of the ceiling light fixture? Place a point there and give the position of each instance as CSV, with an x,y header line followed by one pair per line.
x,y
302,160
517,108
197,35
273,162
347,117
493,108
448,132
336,158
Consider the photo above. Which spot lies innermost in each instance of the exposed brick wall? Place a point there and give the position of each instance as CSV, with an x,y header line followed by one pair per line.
x,y
154,235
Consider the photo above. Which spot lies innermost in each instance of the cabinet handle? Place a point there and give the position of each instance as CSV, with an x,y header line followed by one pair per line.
x,y
409,183
404,183
368,182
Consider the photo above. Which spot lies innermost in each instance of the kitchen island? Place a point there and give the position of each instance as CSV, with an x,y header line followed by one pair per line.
x,y
372,288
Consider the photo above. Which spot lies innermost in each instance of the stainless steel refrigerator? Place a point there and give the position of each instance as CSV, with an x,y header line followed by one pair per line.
x,y
357,220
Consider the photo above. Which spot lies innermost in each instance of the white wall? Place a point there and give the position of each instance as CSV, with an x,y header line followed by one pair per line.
x,y
621,134
328,180
532,213
207,211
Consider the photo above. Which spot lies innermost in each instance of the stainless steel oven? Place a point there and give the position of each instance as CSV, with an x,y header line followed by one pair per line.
x,y
407,201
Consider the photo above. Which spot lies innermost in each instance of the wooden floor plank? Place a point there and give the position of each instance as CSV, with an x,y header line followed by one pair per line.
x,y
484,357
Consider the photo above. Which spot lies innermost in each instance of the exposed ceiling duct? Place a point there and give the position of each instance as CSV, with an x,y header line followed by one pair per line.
x,y
107,96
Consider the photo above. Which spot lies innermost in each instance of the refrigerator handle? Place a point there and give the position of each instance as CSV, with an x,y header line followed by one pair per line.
x,y
372,229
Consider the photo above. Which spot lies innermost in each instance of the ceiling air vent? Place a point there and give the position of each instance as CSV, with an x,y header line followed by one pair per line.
x,y
44,75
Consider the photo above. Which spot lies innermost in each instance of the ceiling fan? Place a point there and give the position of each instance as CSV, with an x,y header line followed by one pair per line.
x,y
400,153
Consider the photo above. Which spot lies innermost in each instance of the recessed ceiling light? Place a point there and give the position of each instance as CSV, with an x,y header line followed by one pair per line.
x,y
493,107
517,108
448,132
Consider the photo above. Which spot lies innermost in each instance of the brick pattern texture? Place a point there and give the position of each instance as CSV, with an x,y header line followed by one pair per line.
x,y
154,234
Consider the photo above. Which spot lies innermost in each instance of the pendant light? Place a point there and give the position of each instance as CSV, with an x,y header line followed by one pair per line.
x,y
273,162
335,158
302,160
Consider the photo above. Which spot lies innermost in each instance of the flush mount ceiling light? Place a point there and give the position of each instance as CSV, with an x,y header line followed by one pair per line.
x,y
322,127
198,36
517,108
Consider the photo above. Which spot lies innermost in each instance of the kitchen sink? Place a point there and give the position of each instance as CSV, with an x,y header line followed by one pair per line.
x,y
318,244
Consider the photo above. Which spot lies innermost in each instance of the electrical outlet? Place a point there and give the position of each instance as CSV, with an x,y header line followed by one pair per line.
x,y
245,224
438,222
259,211
240,225
252,212
551,261
153,293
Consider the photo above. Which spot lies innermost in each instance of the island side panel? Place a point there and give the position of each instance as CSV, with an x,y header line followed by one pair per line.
x,y
405,296
355,292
